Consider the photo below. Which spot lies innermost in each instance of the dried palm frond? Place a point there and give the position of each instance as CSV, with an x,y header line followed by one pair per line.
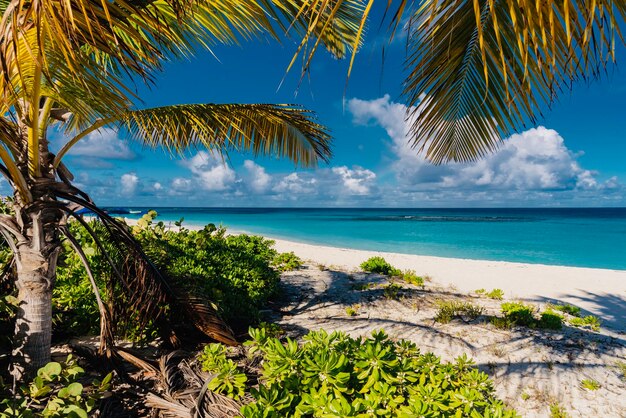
x,y
142,295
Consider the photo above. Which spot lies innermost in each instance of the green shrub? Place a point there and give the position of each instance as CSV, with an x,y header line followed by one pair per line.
x,y
234,272
519,313
410,277
392,291
353,310
550,320
227,379
590,384
54,392
557,411
334,375
621,367
497,294
588,321
379,265
568,309
287,262
450,309
501,323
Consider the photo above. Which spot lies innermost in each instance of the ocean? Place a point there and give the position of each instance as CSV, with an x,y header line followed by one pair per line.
x,y
582,237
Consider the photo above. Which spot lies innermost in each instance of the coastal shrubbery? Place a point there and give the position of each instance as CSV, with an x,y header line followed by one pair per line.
x,y
56,391
379,265
447,310
237,273
335,375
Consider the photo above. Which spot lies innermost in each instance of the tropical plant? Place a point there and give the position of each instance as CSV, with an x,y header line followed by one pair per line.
x,y
335,375
55,392
74,64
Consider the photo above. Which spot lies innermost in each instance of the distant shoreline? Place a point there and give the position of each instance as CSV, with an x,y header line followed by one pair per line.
x,y
601,292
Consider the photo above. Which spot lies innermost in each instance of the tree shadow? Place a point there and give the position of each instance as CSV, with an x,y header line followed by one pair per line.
x,y
611,308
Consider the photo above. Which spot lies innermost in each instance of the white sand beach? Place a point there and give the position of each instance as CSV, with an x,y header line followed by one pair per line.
x,y
601,292
533,369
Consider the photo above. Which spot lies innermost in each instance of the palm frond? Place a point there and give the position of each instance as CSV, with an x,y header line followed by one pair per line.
x,y
479,70
142,294
263,129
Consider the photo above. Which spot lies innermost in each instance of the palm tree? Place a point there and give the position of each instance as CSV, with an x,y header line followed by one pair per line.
x,y
479,70
71,65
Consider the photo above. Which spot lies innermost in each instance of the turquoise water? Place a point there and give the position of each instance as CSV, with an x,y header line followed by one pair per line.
x,y
572,237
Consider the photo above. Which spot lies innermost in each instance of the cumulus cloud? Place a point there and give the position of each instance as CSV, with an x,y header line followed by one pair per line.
x,y
258,179
210,171
536,160
129,183
103,144
357,180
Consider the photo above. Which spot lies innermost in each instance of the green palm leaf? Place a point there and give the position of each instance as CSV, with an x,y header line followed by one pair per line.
x,y
263,129
479,70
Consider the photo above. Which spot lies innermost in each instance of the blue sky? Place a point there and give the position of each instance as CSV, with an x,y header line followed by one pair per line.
x,y
573,157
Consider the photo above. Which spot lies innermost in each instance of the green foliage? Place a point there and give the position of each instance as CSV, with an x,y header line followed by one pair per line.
x,y
409,276
227,380
392,291
518,313
557,411
502,323
287,262
588,321
334,375
568,309
590,384
55,392
353,310
450,309
550,320
497,294
234,272
379,265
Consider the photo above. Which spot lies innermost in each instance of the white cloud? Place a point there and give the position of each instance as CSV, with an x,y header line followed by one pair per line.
x,y
536,160
357,180
129,183
258,179
103,144
296,184
210,171
157,186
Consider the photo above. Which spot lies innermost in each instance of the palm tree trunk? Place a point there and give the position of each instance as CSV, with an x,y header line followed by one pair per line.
x,y
35,268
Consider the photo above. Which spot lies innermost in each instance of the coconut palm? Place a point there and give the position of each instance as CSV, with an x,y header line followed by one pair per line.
x,y
479,70
70,65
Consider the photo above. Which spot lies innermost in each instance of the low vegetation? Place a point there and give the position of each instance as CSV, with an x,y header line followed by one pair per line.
x,y
353,310
287,262
589,321
518,313
379,265
590,384
336,375
497,294
451,309
55,392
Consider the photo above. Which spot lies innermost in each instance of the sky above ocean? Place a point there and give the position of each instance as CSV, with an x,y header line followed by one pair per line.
x,y
574,156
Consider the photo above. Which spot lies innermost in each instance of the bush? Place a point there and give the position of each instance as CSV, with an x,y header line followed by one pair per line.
x,y
287,262
409,276
234,272
379,265
54,392
588,321
497,294
568,309
518,313
334,375
392,291
450,309
227,379
550,320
